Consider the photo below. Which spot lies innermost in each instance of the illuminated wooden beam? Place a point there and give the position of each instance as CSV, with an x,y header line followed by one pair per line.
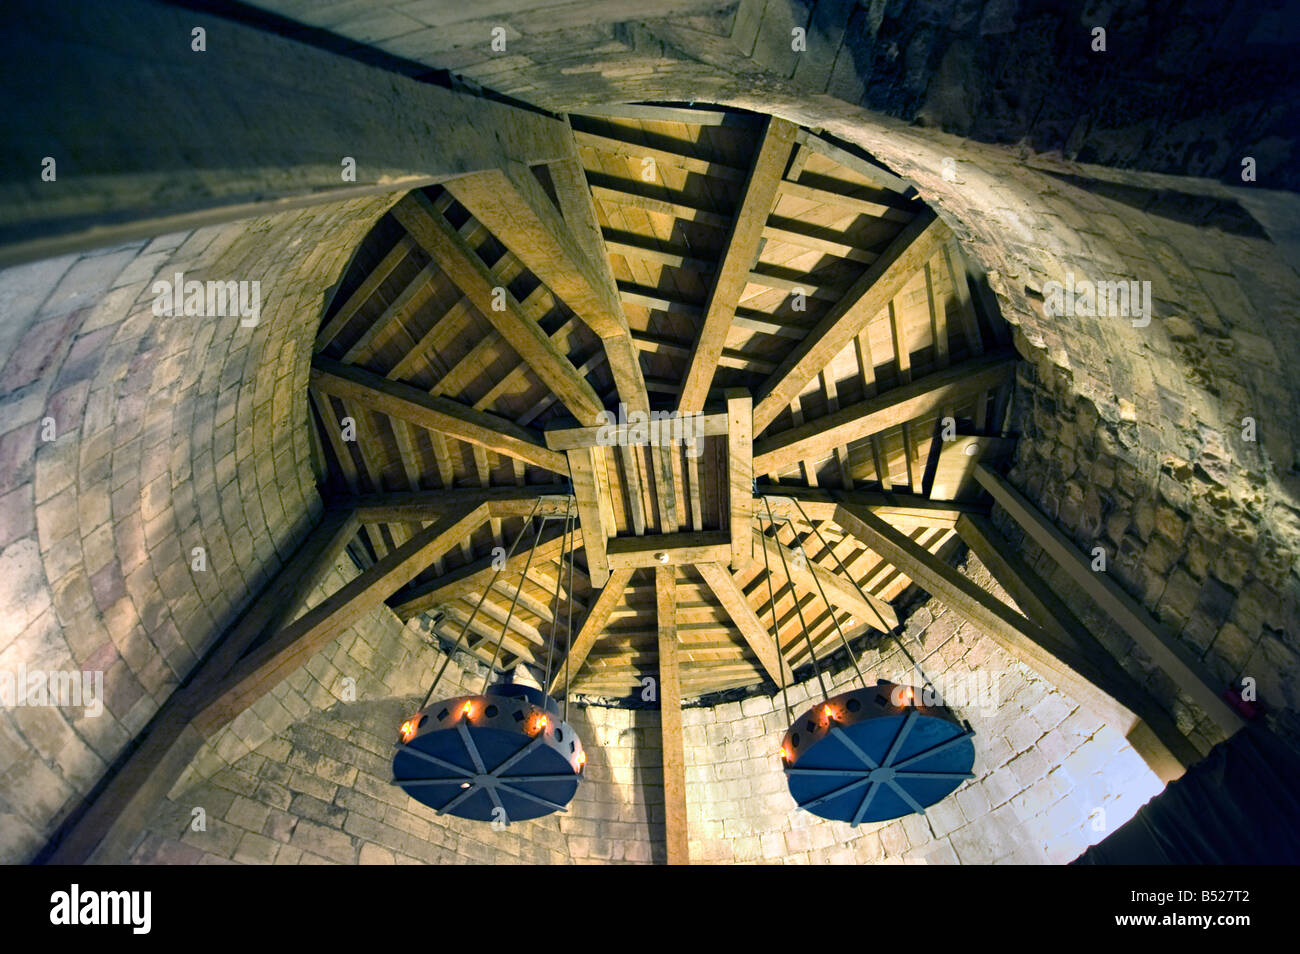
x,y
670,720
761,642
289,649
463,266
737,259
842,594
879,283
819,437
593,626
410,404
1074,661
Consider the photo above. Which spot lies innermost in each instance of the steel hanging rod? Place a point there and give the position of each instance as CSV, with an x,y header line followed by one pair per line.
x,y
822,593
798,608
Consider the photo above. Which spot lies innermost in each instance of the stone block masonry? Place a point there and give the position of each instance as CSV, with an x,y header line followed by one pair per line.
x,y
314,788
1050,779
126,441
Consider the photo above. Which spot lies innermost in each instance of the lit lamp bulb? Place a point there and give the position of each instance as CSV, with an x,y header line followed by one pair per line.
x,y
906,696
582,760
829,712
408,729
468,709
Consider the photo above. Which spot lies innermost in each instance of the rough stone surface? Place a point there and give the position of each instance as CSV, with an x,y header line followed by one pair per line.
x,y
165,434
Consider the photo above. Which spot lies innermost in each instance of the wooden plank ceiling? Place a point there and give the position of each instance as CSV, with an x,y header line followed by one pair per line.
x,y
754,262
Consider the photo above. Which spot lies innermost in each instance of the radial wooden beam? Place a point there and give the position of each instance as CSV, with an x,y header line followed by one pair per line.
x,y
878,175
905,511
377,276
285,595
456,583
737,260
405,403
568,256
1074,660
881,281
670,719
755,634
1184,669
591,514
414,506
740,473
842,594
819,437
462,264
961,594
611,594
287,650
578,209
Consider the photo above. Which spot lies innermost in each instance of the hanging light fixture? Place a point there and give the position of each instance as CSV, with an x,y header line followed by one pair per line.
x,y
506,754
872,753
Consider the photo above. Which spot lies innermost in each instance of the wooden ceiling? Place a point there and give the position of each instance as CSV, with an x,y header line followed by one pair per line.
x,y
795,294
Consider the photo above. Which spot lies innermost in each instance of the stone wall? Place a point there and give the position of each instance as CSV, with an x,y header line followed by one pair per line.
x,y
304,778
168,433
1050,778
988,70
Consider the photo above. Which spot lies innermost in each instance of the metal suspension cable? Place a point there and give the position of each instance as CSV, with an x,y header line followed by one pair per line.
x,y
830,609
884,627
487,679
568,640
465,629
776,635
555,602
895,631
780,551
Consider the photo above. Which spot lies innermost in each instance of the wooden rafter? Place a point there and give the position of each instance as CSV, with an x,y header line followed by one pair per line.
x,y
513,205
962,594
881,281
592,628
737,261
807,574
456,583
405,403
1074,660
446,246
894,408
670,719
755,634
740,473
1184,669
289,649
